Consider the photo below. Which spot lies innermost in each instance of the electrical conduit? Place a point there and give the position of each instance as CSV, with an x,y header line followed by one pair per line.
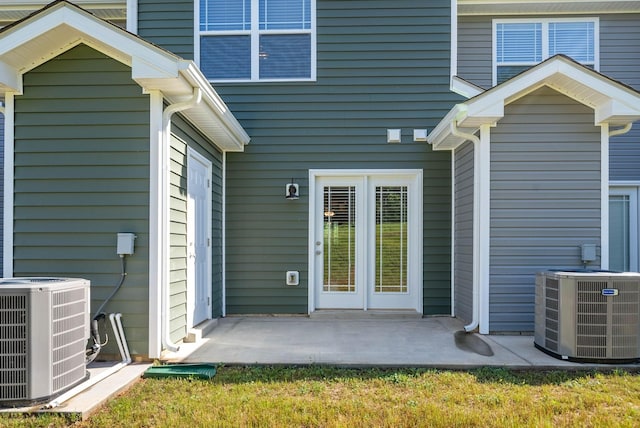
x,y
165,291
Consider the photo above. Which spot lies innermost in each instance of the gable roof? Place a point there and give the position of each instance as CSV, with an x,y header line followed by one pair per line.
x,y
61,25
613,102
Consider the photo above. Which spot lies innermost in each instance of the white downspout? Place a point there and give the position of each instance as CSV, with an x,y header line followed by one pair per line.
x,y
476,232
167,343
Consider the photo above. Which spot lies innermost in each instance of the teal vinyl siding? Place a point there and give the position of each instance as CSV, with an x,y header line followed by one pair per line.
x,y
82,176
191,137
463,225
168,24
381,65
545,199
178,240
620,59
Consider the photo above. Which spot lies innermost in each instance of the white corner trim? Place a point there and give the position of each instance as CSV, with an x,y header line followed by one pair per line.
x,y
311,244
132,16
9,111
604,196
224,234
484,224
454,40
155,224
453,232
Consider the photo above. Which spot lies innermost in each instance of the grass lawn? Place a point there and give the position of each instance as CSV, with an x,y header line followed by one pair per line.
x,y
320,396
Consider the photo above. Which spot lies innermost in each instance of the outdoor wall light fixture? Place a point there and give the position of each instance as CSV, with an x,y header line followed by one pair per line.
x,y
292,191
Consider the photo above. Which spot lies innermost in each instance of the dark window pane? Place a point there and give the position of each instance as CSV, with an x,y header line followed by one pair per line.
x,y
285,56
225,57
507,72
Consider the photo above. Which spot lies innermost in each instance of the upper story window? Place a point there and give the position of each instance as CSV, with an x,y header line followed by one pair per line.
x,y
257,40
519,44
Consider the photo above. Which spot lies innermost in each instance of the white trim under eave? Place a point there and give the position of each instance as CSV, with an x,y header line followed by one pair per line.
x,y
132,16
9,111
155,225
604,196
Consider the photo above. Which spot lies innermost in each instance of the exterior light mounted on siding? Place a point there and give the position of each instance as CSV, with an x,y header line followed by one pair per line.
x,y
292,191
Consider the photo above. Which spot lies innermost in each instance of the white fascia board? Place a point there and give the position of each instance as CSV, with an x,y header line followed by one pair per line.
x,y
614,112
465,88
237,136
10,79
82,27
440,137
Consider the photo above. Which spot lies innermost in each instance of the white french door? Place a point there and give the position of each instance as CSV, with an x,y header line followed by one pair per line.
x,y
367,240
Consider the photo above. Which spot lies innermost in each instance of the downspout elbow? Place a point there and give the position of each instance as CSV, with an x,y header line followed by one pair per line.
x,y
621,131
167,343
473,325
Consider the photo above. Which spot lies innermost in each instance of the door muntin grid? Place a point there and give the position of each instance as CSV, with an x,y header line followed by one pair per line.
x,y
391,239
339,229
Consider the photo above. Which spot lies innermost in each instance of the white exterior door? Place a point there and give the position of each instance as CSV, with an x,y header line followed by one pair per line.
x,y
367,240
198,238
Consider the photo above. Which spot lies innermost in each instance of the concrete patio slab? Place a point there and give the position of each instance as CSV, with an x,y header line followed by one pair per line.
x,y
348,340
365,341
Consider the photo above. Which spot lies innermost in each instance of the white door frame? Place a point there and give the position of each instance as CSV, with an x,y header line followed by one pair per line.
x,y
194,157
416,245
632,190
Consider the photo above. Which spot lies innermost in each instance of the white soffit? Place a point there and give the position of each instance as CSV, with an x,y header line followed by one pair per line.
x,y
62,25
14,10
544,7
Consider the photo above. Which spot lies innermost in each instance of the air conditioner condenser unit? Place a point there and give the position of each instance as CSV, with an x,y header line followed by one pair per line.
x,y
588,316
44,328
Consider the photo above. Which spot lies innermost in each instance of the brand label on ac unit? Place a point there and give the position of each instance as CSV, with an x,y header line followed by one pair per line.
x,y
609,291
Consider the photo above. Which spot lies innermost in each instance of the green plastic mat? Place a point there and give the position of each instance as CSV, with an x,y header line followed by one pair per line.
x,y
197,371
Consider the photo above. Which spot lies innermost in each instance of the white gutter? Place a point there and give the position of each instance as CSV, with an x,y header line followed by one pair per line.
x,y
476,232
165,213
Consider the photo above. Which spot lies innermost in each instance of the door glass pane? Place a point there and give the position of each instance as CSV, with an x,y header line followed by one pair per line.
x,y
339,239
391,239
619,236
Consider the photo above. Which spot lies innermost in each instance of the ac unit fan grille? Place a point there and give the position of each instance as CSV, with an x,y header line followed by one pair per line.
x,y
551,314
68,341
607,326
13,347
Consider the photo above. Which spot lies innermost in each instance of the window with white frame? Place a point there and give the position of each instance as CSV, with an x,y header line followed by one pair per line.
x,y
520,44
257,40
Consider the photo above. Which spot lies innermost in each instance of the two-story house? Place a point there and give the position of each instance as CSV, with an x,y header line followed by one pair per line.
x,y
291,156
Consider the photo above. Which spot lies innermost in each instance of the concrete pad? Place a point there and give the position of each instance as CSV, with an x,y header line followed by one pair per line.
x,y
385,341
88,401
